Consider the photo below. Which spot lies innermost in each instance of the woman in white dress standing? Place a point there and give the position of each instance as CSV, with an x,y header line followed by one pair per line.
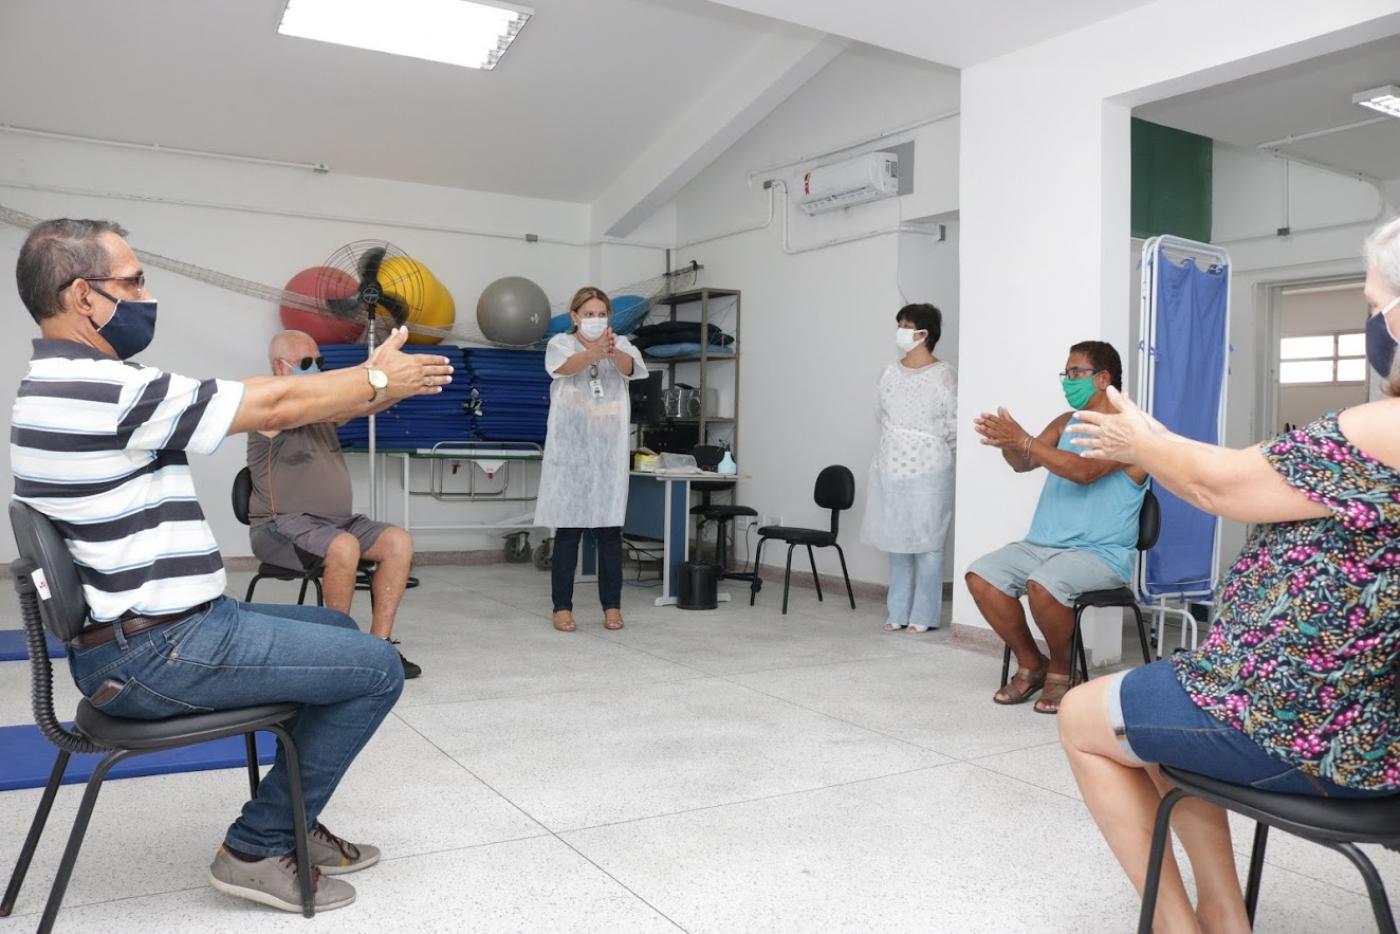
x,y
911,479
584,476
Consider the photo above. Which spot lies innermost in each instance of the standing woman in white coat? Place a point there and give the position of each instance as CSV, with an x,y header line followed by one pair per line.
x,y
584,476
911,479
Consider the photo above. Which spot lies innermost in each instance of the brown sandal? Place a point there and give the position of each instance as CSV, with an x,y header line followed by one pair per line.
x,y
1032,679
1056,687
564,621
613,621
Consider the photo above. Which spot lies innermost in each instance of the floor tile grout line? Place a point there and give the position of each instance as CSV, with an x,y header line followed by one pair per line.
x,y
742,801
547,829
697,676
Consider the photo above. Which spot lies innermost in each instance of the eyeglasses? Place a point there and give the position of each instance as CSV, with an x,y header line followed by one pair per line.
x,y
305,362
1078,372
138,280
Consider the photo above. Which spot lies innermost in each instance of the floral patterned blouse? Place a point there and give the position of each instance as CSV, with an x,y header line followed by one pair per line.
x,y
1302,657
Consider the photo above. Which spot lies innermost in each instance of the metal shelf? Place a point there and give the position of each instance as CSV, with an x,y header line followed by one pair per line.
x,y
690,358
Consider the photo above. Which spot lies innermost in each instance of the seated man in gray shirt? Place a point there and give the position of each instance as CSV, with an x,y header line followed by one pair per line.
x,y
302,508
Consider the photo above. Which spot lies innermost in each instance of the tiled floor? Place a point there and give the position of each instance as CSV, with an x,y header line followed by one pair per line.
x,y
729,771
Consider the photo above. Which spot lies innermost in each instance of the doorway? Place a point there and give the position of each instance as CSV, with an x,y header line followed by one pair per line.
x,y
1314,352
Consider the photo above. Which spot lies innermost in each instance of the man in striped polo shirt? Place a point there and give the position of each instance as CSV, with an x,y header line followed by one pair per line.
x,y
99,444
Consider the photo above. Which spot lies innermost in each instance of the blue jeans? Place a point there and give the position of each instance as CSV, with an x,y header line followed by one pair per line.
x,y
916,589
565,562
239,655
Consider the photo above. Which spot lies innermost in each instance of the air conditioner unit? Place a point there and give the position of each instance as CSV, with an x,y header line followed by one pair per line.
x,y
867,177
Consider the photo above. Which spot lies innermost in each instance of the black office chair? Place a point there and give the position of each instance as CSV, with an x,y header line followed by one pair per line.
x,y
707,457
835,490
51,596
312,567
1149,527
1336,823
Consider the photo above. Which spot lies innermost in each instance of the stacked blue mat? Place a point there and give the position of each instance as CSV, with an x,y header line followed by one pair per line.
x,y
511,394
414,423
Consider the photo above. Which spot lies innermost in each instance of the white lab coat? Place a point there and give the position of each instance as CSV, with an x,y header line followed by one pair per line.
x,y
910,493
583,479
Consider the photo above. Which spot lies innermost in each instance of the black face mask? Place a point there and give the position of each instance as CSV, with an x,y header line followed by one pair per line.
x,y
1380,343
131,327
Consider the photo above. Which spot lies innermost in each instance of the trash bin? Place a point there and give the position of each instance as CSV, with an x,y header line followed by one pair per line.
x,y
699,585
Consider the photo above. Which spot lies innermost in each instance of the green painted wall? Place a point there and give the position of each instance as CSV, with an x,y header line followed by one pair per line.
x,y
1171,182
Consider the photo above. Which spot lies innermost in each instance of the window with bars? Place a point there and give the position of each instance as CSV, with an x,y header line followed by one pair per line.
x,y
1323,358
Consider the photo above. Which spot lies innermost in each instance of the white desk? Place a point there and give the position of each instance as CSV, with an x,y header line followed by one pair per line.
x,y
658,506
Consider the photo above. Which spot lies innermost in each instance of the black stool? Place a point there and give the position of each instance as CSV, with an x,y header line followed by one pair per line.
x,y
721,514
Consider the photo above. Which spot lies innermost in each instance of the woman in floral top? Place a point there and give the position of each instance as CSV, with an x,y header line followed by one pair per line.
x,y
1294,689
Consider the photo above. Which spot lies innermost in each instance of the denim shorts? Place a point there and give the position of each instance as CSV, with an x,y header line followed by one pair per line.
x,y
1156,721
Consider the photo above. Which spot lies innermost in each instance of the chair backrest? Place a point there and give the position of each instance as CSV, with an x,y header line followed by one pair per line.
x,y
1149,522
63,608
242,493
835,489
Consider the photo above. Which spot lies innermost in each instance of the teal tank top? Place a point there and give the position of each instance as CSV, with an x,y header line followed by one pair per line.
x,y
1099,517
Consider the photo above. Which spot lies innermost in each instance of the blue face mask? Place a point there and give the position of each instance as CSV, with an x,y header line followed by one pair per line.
x,y
131,327
1380,345
310,368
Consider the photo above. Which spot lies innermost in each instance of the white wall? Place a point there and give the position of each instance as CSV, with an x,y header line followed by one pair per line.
x,y
817,325
1045,213
205,331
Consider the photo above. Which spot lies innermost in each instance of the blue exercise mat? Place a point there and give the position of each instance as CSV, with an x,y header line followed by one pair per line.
x,y
14,648
26,759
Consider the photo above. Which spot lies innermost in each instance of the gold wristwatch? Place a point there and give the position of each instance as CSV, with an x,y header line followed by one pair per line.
x,y
379,382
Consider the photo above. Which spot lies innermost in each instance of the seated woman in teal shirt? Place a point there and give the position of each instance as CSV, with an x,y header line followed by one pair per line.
x,y
1082,537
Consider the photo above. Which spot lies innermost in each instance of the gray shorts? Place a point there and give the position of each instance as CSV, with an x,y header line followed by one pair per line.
x,y
297,540
1065,572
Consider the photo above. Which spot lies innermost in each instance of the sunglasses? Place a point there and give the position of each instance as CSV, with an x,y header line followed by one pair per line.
x,y
305,362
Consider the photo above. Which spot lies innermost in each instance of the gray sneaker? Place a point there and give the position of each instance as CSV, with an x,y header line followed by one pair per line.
x,y
273,882
334,856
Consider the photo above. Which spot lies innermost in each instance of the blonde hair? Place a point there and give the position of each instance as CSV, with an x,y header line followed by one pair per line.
x,y
1383,253
587,293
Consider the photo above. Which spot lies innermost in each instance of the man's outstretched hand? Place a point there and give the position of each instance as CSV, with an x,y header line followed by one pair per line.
x,y
410,374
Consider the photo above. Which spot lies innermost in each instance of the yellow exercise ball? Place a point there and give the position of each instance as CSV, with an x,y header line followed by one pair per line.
x,y
428,301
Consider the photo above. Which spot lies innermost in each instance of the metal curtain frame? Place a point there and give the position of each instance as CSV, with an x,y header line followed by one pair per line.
x,y
1155,250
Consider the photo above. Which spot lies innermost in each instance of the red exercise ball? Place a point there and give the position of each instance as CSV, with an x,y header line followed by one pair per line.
x,y
321,283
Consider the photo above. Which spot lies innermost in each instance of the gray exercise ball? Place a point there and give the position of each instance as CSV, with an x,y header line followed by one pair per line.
x,y
513,311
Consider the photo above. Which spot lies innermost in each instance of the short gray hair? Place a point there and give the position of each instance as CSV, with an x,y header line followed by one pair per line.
x,y
1383,253
54,254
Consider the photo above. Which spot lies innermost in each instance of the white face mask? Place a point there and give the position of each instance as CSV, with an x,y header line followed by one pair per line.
x,y
906,340
592,328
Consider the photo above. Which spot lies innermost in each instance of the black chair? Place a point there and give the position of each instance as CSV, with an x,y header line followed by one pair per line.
x,y
51,596
312,567
1149,527
1336,823
835,490
707,457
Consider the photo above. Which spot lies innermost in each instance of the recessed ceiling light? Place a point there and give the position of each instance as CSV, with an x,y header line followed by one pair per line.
x,y
459,32
1386,99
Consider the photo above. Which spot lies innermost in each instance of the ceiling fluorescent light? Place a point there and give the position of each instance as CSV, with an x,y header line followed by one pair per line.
x,y
1386,99
459,32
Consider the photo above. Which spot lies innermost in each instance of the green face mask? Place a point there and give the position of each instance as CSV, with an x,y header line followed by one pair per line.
x,y
1078,392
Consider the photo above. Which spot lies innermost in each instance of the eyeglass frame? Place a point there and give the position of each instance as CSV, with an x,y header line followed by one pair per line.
x,y
1086,371
139,280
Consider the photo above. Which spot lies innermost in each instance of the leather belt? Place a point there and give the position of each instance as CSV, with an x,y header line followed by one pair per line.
x,y
102,633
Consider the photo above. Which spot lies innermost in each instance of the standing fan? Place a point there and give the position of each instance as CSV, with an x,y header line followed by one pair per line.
x,y
388,287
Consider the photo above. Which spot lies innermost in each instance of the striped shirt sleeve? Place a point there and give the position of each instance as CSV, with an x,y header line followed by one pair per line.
x,y
162,411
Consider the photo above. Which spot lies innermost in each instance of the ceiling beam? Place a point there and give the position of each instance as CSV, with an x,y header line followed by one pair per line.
x,y
777,65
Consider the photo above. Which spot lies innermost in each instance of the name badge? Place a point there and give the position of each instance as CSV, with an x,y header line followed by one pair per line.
x,y
596,387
